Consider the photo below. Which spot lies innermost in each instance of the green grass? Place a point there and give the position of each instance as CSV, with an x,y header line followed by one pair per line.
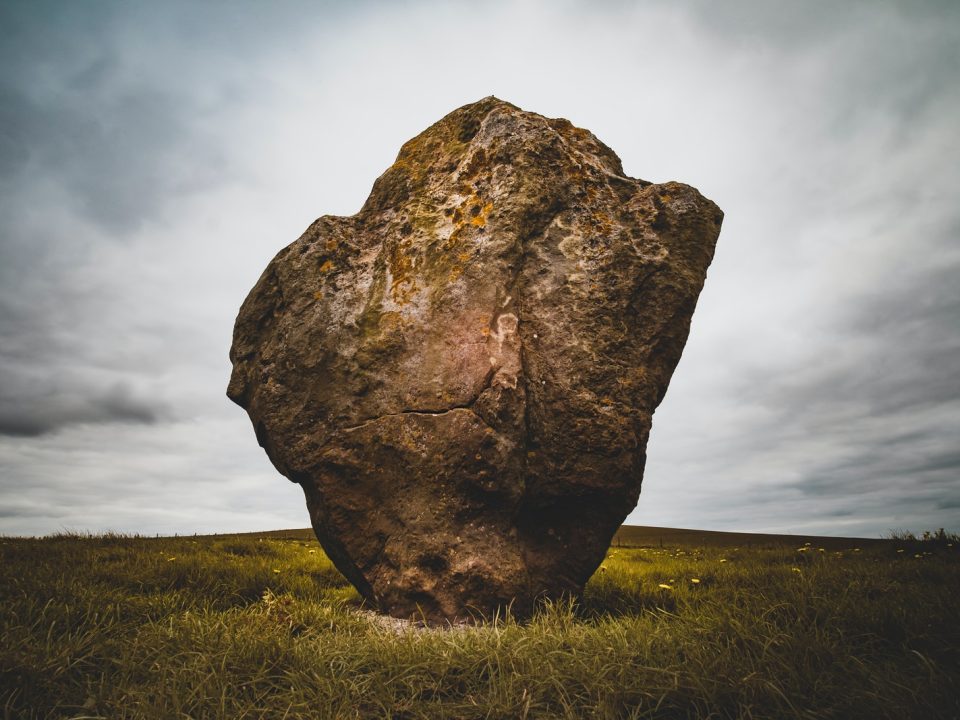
x,y
265,627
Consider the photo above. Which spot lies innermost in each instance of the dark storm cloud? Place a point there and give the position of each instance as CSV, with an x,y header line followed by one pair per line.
x,y
867,410
53,372
886,368
886,372
32,411
25,511
876,469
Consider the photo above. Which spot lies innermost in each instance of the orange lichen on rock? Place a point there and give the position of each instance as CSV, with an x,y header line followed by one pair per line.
x,y
479,214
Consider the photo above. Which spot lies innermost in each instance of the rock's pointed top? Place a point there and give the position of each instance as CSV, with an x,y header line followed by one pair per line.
x,y
477,138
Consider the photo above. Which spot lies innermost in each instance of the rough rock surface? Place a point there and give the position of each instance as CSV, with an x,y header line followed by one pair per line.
x,y
461,376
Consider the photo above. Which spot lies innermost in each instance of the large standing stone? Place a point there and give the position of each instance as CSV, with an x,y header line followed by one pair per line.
x,y
461,376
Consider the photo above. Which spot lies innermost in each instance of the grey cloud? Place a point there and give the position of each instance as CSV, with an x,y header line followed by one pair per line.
x,y
861,406
903,366
873,468
933,464
119,150
26,511
102,129
796,26
878,384
35,411
125,250
112,102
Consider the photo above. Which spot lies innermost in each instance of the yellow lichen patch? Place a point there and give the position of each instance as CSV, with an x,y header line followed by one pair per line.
x,y
403,290
603,223
424,217
473,211
480,213
318,295
331,244
464,256
401,263
327,266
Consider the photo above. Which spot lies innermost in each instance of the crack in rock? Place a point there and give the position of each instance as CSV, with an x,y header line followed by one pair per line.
x,y
401,413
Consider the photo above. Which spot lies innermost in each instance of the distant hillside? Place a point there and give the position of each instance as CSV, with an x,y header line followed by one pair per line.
x,y
648,536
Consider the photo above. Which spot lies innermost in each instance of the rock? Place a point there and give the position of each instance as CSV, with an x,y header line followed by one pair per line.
x,y
462,375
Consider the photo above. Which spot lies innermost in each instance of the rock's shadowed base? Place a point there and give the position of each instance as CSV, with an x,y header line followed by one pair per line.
x,y
461,376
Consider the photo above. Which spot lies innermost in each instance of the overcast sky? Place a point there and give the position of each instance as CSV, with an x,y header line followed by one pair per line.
x,y
155,156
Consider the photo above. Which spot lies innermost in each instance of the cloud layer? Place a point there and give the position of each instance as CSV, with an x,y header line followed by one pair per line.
x,y
154,157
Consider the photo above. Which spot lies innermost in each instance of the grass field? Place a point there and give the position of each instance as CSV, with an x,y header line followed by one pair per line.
x,y
263,626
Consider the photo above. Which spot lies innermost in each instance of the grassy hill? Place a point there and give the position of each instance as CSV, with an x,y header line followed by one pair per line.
x,y
674,624
649,536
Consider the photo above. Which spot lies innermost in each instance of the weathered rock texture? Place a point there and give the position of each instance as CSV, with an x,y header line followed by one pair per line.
x,y
461,376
